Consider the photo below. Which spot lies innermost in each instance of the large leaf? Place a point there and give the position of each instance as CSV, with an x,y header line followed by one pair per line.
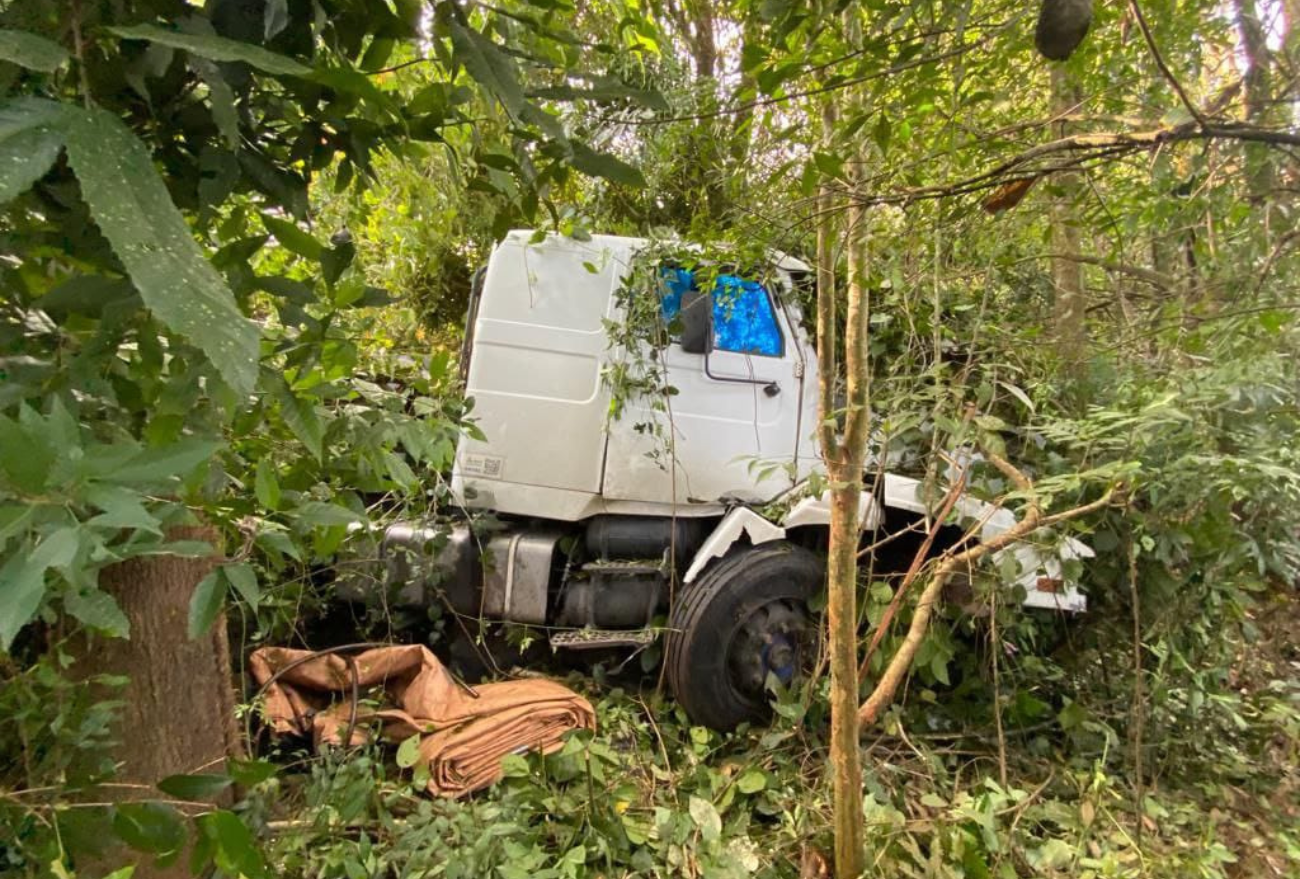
x,y
604,90
221,99
27,458
325,515
22,580
234,848
24,159
99,610
300,415
29,143
22,586
588,161
30,51
291,237
149,827
157,465
136,214
206,602
242,576
200,786
215,48
497,73
490,67
89,295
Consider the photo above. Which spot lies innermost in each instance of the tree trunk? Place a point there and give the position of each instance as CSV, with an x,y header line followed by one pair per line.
x,y
1258,79
1068,307
177,715
844,462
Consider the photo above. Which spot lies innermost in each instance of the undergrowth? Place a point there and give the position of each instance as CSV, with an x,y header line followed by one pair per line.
x,y
651,795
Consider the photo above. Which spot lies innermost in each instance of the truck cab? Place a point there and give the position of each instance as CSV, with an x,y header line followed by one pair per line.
x,y
539,358
680,511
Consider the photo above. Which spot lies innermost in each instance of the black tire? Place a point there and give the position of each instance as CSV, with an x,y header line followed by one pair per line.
x,y
755,594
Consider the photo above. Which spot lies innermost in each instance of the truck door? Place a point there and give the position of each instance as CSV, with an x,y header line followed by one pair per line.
x,y
736,418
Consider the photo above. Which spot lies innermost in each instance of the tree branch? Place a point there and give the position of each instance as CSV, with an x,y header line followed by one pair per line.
x,y
950,563
1160,62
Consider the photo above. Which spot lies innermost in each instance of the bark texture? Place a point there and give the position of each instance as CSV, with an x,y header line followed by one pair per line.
x,y
844,462
1259,95
177,715
1067,270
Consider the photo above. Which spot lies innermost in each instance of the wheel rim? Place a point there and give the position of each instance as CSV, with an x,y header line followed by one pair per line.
x,y
776,638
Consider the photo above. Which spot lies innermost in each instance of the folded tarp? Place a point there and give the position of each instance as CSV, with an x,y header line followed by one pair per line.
x,y
465,732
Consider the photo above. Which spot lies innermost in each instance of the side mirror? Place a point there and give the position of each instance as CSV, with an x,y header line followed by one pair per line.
x,y
697,322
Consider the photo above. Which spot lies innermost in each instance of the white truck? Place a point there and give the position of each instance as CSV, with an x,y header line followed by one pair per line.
x,y
602,536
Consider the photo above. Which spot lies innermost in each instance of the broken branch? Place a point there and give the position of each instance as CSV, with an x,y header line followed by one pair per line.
x,y
949,563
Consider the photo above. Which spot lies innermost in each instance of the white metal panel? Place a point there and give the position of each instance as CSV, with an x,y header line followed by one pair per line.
x,y
740,520
535,376
723,432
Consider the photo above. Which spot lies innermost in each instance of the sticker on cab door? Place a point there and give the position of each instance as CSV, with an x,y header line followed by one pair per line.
x,y
487,466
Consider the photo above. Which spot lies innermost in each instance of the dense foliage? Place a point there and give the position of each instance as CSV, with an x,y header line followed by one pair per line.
x,y
236,246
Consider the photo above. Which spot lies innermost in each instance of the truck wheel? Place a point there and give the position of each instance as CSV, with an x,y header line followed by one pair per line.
x,y
745,617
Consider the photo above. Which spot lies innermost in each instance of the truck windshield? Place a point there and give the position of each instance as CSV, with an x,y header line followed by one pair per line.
x,y
744,319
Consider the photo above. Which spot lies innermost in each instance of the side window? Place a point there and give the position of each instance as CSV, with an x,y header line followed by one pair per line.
x,y
675,282
744,319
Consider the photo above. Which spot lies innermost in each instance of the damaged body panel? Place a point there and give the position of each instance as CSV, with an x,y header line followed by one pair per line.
x,y
615,520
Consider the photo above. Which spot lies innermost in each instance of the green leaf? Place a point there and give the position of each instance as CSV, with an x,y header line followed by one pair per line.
x,y
135,212
706,818
207,601
335,261
266,485
1019,394
161,464
25,157
222,100
122,508
605,91
1072,716
215,48
14,519
293,238
300,415
489,66
30,51
235,851
250,773
27,460
752,782
149,827
328,515
244,579
590,162
198,787
88,295
408,752
498,74
939,668
275,17
22,579
515,766
99,610
30,141
22,586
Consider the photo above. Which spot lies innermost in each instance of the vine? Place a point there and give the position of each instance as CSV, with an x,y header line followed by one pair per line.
x,y
640,335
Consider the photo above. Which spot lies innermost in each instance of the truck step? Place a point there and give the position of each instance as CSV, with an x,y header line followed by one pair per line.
x,y
591,639
625,566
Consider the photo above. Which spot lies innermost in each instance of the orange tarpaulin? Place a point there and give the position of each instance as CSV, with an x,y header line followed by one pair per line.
x,y
465,732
